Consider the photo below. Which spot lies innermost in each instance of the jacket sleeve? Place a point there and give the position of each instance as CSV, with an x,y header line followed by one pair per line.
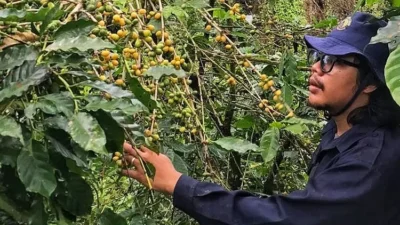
x,y
344,195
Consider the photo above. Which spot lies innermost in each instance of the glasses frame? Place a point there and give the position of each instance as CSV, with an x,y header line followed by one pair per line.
x,y
321,55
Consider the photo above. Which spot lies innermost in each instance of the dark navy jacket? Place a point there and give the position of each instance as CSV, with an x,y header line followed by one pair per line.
x,y
354,180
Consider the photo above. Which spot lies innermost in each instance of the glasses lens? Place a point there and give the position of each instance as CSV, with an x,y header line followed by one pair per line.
x,y
327,63
313,57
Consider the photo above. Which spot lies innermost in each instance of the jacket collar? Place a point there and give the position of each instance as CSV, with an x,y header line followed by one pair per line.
x,y
346,140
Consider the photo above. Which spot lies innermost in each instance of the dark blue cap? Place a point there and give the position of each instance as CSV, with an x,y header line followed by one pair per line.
x,y
353,35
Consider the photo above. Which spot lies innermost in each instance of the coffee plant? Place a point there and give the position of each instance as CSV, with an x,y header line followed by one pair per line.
x,y
218,86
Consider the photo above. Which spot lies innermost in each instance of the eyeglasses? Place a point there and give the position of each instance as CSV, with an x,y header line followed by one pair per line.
x,y
327,61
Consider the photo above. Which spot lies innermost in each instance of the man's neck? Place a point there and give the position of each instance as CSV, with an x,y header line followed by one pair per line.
x,y
341,124
341,121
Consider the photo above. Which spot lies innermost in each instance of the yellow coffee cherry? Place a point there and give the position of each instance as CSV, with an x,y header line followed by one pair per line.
x,y
115,37
119,82
142,11
105,53
157,16
263,77
116,18
291,114
102,77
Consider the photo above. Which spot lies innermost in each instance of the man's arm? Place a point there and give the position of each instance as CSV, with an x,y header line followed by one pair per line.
x,y
343,195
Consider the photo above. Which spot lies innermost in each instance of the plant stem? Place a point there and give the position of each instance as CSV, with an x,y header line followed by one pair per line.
x,y
70,91
7,206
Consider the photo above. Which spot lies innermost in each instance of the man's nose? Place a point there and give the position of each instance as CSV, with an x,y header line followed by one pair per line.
x,y
316,69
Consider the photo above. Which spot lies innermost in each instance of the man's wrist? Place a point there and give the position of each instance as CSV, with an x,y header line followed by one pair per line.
x,y
172,183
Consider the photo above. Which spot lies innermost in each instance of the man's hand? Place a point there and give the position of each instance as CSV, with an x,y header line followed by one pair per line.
x,y
166,176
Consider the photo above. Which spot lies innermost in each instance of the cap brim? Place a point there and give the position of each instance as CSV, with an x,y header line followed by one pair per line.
x,y
330,45
333,46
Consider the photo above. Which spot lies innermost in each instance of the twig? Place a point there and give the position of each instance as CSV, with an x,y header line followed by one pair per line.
x,y
162,21
89,15
77,8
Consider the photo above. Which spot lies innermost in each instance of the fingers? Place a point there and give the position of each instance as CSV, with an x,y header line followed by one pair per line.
x,y
145,149
136,163
146,154
129,149
137,176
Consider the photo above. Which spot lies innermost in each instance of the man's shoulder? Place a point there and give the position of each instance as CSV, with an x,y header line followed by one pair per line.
x,y
379,146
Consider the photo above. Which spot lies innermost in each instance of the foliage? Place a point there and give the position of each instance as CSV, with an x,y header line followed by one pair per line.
x,y
196,80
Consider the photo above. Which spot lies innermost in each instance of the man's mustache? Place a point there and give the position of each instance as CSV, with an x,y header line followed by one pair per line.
x,y
316,82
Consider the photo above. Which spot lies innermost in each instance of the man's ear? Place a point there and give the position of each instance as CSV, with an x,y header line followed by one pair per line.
x,y
369,89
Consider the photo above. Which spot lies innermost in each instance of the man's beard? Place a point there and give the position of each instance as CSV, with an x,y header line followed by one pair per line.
x,y
322,107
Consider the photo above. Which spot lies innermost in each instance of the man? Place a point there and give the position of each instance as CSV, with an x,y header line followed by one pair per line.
x,y
353,178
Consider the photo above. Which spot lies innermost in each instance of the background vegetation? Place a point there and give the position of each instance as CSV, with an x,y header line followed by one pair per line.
x,y
217,85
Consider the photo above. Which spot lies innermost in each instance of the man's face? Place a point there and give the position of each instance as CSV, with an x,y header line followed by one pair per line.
x,y
331,91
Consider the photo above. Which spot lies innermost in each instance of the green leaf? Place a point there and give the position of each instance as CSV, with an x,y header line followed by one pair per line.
x,y
296,120
396,3
179,147
236,144
50,16
73,60
108,217
87,132
180,164
9,151
389,32
21,78
269,144
243,35
177,161
15,55
392,71
74,28
34,170
9,127
158,71
245,123
38,214
51,104
287,94
84,130
114,132
198,4
46,107
112,89
82,43
327,23
76,197
63,102
127,106
296,128
57,122
22,15
142,95
60,148
220,13
177,11
371,2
